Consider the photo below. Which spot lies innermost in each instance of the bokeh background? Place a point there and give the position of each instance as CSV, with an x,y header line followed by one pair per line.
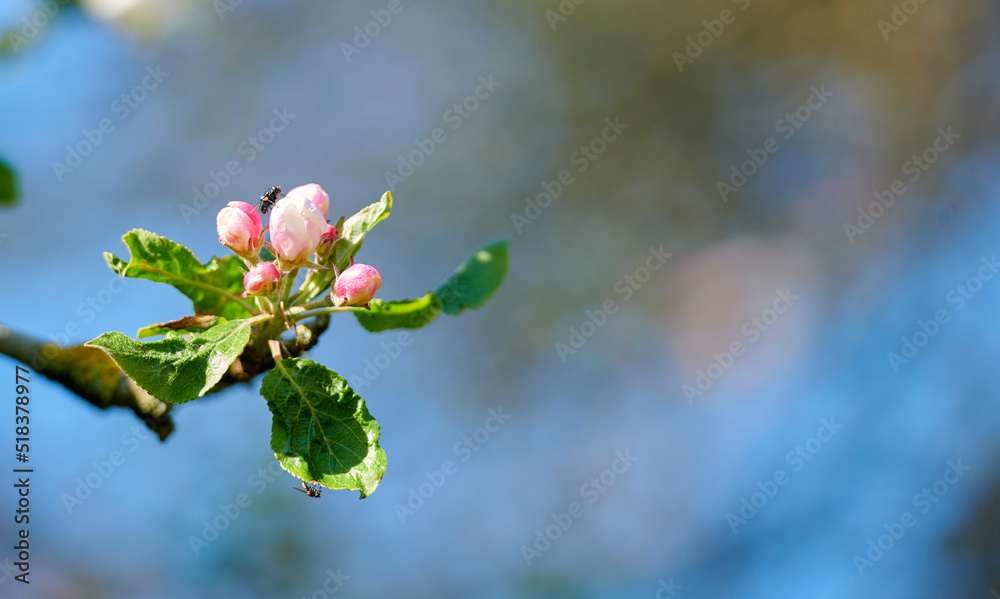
x,y
666,525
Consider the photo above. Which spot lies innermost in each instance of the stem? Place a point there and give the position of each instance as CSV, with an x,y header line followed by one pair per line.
x,y
328,310
298,293
279,306
310,289
287,282
261,318
322,302
270,304
317,283
275,347
267,304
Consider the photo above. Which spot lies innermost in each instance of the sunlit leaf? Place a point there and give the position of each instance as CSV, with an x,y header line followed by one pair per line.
x,y
10,187
213,287
321,430
476,280
176,369
400,314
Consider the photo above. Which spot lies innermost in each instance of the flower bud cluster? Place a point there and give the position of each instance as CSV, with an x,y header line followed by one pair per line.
x,y
298,231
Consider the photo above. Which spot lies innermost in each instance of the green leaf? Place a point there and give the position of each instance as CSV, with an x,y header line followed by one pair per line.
x,y
176,369
471,286
188,324
354,229
400,314
10,188
213,287
475,281
321,430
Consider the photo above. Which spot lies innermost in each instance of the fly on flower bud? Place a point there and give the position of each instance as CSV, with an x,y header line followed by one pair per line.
x,y
296,227
262,279
240,229
356,286
315,194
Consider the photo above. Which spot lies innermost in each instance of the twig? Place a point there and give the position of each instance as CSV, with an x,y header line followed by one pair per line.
x,y
91,374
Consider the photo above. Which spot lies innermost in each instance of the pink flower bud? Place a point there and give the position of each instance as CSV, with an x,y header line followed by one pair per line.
x,y
315,194
326,242
356,286
296,227
240,229
262,279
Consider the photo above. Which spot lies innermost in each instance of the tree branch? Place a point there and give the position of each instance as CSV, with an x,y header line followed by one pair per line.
x,y
91,374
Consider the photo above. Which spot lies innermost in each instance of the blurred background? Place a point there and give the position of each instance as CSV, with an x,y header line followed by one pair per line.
x,y
745,328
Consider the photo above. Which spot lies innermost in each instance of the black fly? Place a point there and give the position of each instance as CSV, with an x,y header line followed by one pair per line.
x,y
312,490
268,199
